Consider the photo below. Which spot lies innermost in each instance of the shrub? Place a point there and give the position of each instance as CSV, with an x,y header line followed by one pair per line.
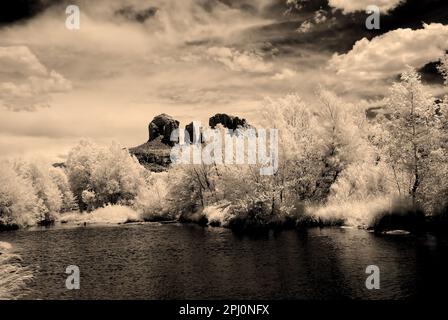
x,y
103,175
151,201
19,204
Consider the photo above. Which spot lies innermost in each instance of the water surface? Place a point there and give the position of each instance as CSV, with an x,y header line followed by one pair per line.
x,y
178,261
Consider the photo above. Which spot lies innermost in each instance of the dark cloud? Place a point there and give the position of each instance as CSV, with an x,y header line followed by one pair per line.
x,y
298,7
430,74
412,13
234,4
131,13
12,11
340,31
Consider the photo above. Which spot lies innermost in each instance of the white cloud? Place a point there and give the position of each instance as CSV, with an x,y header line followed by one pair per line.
x,y
25,83
318,18
19,59
348,6
305,27
284,74
239,61
386,56
191,59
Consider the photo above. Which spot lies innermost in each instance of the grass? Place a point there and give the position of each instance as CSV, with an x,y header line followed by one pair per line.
x,y
13,276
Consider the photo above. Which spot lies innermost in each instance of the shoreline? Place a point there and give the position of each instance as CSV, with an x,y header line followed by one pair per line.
x,y
61,225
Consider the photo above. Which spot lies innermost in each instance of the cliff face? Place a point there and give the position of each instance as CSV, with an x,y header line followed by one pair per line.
x,y
155,153
162,126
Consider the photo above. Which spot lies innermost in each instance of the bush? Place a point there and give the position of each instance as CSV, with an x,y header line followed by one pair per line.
x,y
218,215
360,213
19,204
103,175
151,201
254,215
38,175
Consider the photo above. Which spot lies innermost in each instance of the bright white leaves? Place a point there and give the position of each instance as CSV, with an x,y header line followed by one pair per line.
x,y
32,193
443,68
103,175
413,135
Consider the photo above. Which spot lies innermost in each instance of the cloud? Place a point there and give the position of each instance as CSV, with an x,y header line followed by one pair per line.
x,y
239,61
129,12
320,16
19,59
349,6
25,83
132,59
284,74
386,56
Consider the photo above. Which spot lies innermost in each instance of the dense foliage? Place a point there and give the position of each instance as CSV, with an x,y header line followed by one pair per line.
x,y
335,166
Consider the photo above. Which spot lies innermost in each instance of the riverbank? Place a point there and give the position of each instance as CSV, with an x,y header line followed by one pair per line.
x,y
399,221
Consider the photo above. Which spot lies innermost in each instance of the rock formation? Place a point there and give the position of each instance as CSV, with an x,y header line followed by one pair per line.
x,y
162,125
229,122
155,153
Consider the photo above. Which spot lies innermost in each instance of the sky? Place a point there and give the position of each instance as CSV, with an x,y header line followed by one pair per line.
x,y
133,59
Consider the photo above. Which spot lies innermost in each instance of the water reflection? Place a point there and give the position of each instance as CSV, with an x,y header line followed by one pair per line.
x,y
174,261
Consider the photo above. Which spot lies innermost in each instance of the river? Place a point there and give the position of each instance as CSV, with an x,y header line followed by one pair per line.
x,y
182,261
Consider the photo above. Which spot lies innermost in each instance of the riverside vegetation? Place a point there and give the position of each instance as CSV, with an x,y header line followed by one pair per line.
x,y
337,166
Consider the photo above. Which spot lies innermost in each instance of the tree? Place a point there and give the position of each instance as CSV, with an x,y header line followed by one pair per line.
x,y
411,128
38,175
60,179
299,149
342,140
104,175
19,204
151,201
443,68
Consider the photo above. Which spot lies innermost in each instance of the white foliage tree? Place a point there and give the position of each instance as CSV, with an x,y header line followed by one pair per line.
x,y
60,179
443,68
19,205
412,137
151,201
103,175
38,174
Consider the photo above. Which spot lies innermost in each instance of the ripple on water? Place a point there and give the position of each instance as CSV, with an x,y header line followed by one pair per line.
x,y
173,261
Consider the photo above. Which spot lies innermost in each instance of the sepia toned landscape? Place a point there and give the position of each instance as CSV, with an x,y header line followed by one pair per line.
x,y
220,149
